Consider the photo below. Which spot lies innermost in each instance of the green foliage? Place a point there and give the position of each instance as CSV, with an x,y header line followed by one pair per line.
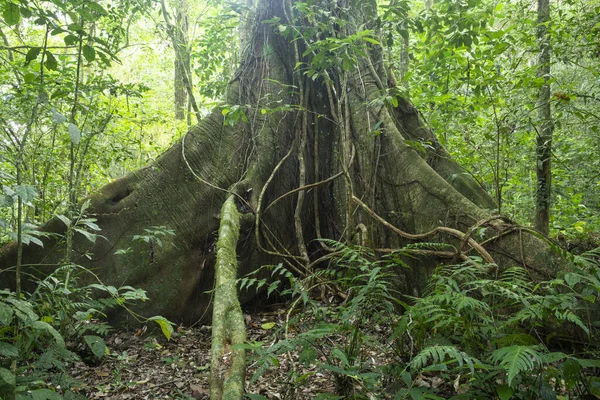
x,y
472,73
500,320
342,334
483,333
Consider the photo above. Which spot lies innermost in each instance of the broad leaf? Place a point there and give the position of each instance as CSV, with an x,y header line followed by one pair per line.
x,y
45,394
43,326
57,117
6,314
89,53
70,40
8,350
96,344
32,54
7,376
51,62
166,326
11,14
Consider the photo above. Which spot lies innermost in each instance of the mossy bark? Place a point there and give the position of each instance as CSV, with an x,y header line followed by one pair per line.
x,y
228,364
339,137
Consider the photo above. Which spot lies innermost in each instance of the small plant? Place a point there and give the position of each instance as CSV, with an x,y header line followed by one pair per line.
x,y
41,332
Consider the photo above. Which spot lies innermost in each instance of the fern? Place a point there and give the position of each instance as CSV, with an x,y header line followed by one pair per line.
x,y
437,355
517,359
573,318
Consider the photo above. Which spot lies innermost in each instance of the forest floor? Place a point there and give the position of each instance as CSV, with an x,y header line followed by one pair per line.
x,y
144,366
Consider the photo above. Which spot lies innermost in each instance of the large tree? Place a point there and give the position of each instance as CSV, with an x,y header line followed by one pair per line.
x,y
316,141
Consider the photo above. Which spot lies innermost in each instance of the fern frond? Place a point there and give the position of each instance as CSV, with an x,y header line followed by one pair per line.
x,y
573,318
437,355
517,359
518,278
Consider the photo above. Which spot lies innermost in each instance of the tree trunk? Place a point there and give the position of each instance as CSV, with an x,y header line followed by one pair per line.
x,y
324,145
544,135
182,58
227,364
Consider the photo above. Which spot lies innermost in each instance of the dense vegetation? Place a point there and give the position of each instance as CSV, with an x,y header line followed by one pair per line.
x,y
90,91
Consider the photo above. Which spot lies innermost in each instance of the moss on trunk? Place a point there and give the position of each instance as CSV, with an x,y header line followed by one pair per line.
x,y
228,364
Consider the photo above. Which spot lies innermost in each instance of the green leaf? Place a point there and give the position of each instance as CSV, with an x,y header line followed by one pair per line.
x,y
75,27
96,344
268,325
57,117
26,192
572,279
74,133
23,310
585,363
166,326
51,62
371,40
11,14
308,355
516,359
6,200
45,394
43,326
571,369
29,78
504,392
64,219
8,350
26,12
89,53
97,8
6,314
88,235
70,40
7,376
32,54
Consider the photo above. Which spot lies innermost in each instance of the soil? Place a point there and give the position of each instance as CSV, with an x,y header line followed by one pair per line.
x,y
148,366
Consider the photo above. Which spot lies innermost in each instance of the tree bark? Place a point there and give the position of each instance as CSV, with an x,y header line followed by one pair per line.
x,y
182,58
326,140
227,365
544,135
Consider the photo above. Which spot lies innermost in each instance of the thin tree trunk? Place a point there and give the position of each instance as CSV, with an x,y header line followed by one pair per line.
x,y
544,134
227,364
181,57
182,60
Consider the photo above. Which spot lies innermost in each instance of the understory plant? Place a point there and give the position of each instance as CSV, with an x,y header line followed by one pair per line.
x,y
476,333
61,321
499,334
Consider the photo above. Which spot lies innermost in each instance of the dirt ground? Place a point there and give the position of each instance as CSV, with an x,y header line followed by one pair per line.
x,y
148,366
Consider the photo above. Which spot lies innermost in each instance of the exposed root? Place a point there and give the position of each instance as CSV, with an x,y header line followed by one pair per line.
x,y
451,231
